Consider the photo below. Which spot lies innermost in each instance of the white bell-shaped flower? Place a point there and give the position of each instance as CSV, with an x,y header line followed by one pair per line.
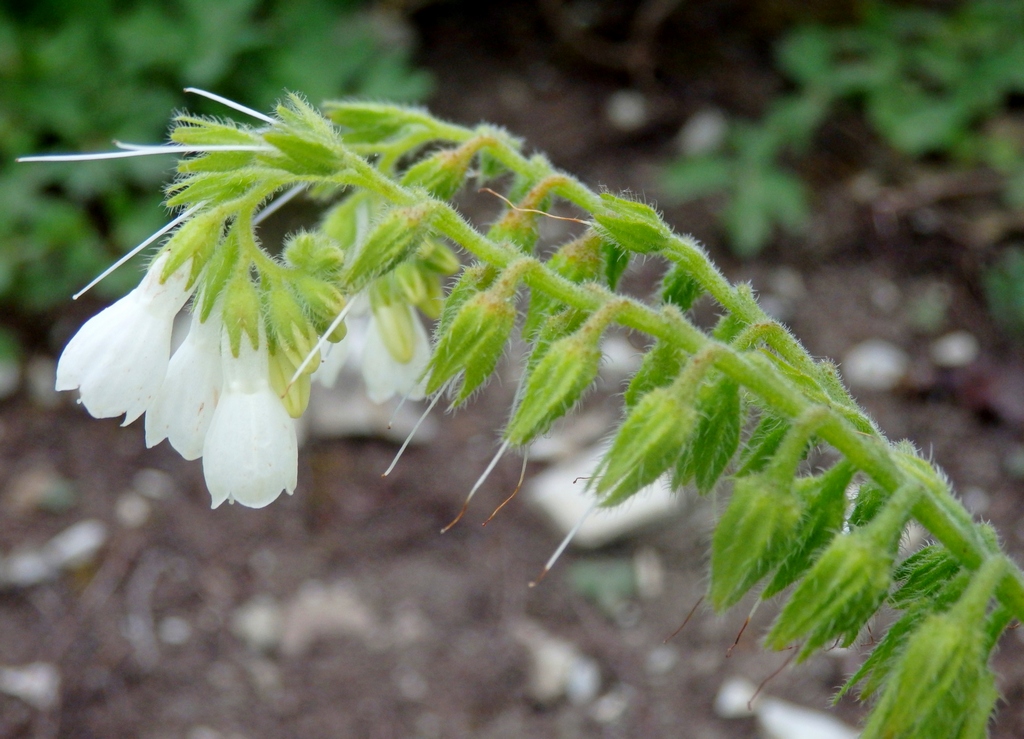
x,y
183,408
118,359
251,452
384,375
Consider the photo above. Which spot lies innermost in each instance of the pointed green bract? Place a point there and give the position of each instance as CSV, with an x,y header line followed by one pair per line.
x,y
752,537
716,436
633,226
645,446
397,235
661,364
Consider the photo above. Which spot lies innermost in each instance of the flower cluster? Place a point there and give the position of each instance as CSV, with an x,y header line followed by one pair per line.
x,y
206,400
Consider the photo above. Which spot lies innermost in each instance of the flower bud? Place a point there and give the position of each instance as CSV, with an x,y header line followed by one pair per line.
x,y
288,329
680,288
841,592
474,342
390,242
752,536
715,437
409,282
432,303
661,364
438,257
442,174
634,226
647,443
371,122
197,131
472,280
314,253
349,222
517,227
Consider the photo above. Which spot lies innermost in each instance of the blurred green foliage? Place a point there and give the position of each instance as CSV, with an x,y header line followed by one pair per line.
x,y
1004,291
75,74
929,83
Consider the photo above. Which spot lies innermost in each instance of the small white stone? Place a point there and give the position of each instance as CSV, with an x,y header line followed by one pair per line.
x,y
885,295
174,631
782,720
703,133
583,681
661,660
734,698
564,501
611,706
649,572
626,110
955,349
259,623
153,484
77,544
132,510
875,365
38,684
326,611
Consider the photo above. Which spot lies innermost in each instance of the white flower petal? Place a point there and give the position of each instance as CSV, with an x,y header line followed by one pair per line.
x,y
118,359
183,408
250,454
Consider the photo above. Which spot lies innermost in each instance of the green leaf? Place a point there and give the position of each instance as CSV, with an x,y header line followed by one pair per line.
x,y
695,177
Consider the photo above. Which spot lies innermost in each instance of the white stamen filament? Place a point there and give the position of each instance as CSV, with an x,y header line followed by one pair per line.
x,y
141,151
319,345
415,428
137,249
487,472
230,103
565,543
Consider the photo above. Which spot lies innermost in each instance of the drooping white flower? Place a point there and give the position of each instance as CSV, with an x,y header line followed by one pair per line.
x,y
384,375
118,359
250,454
183,408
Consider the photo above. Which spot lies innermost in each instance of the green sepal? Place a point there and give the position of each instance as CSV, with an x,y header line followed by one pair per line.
x,y
199,131
753,535
728,328
923,575
219,268
438,257
473,279
288,329
616,262
473,343
391,241
661,364
196,239
716,436
217,188
579,261
557,326
762,444
679,288
632,225
517,227
314,252
216,161
302,155
395,324
870,500
442,173
645,446
372,122
323,300
241,311
825,506
555,384
842,590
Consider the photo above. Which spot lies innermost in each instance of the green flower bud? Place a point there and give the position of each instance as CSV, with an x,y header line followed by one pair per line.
x,y
242,311
288,330
941,678
474,341
314,253
841,592
752,536
432,303
661,364
518,227
558,380
472,280
680,288
390,242
438,257
443,173
323,302
197,240
716,436
372,122
647,443
634,226
409,281
579,260
198,131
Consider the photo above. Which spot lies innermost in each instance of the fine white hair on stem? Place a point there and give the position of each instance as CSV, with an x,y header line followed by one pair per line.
x,y
565,543
276,204
137,249
479,483
319,345
230,103
133,150
415,428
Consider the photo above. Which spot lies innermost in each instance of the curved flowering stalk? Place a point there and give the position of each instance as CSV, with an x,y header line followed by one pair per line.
x,y
743,401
